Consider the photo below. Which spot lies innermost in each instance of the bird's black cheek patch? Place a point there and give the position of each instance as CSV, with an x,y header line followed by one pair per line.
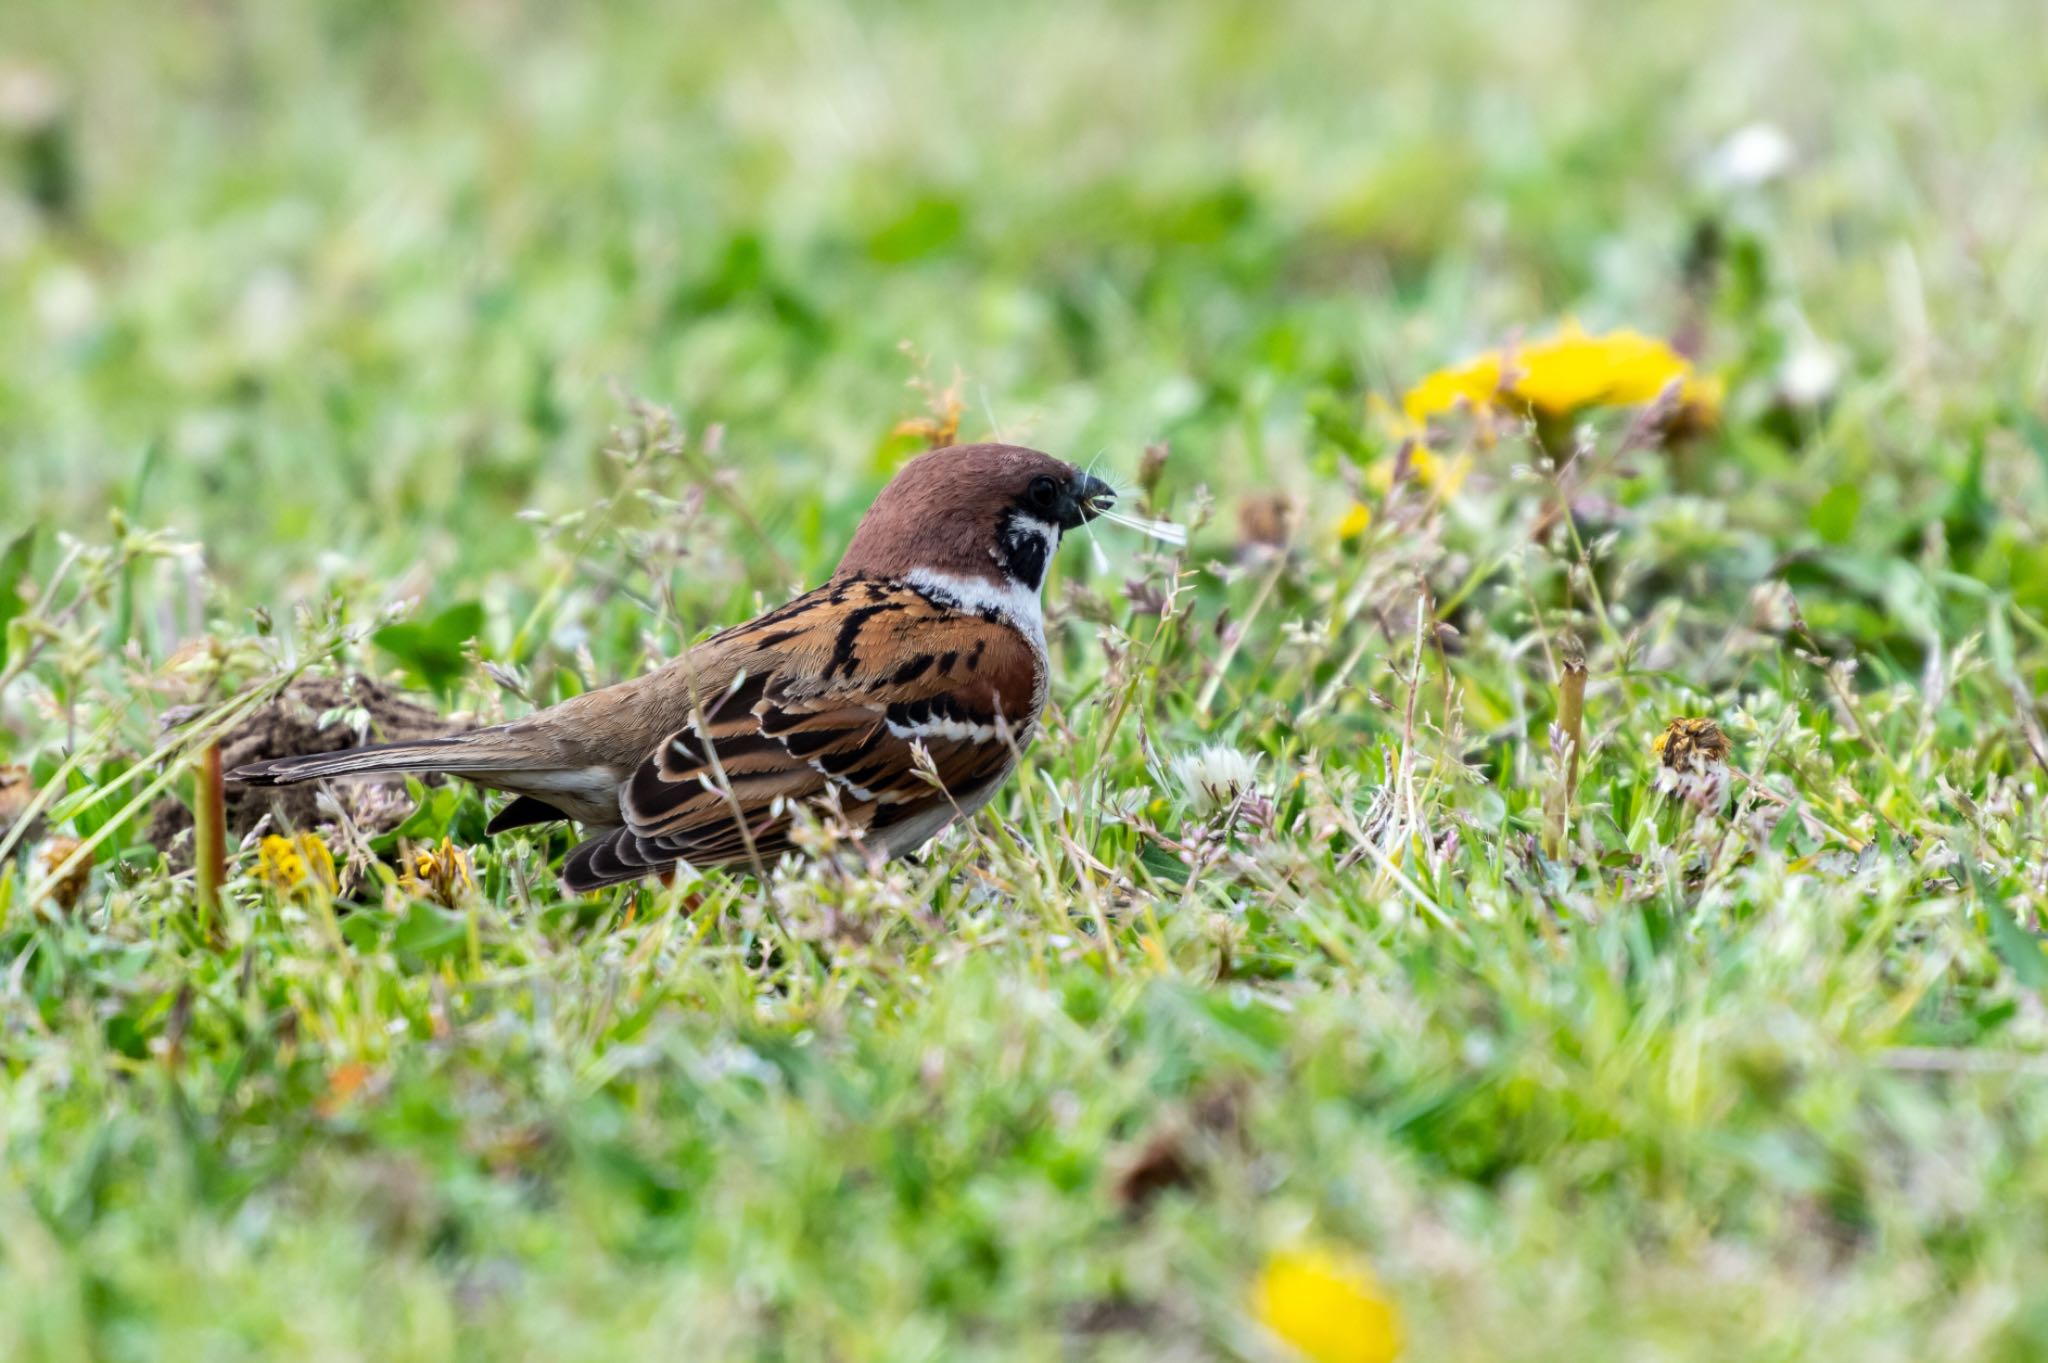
x,y
1024,547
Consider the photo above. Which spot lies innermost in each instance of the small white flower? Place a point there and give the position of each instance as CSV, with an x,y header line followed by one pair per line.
x,y
1810,375
66,302
1753,155
267,316
31,98
1216,777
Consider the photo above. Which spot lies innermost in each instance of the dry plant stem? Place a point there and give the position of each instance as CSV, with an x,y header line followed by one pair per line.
x,y
568,572
21,662
204,732
2030,727
1571,714
209,836
1411,807
1141,665
1947,1060
767,896
48,796
1352,603
761,538
1422,898
1244,628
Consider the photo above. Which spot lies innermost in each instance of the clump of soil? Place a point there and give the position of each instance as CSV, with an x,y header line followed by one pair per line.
x,y
357,711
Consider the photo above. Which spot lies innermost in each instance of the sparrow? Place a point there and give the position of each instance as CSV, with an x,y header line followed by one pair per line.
x,y
900,694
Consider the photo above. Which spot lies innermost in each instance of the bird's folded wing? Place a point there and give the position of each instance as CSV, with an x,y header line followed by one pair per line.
x,y
831,699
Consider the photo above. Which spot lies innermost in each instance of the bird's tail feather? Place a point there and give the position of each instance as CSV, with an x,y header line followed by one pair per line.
x,y
458,754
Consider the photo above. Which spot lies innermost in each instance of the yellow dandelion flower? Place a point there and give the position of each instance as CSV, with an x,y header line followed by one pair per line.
x,y
1327,1306
1355,522
301,861
1475,383
442,874
279,865
1572,371
1568,372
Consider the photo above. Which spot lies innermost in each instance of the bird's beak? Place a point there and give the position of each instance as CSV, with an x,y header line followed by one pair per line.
x,y
1091,497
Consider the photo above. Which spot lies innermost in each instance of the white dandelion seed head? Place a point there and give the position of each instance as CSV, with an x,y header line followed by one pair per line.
x,y
1215,777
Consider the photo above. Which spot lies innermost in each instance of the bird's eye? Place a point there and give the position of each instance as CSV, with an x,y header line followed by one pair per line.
x,y
1044,493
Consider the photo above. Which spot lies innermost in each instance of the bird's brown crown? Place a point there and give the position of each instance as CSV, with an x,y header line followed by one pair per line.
x,y
986,511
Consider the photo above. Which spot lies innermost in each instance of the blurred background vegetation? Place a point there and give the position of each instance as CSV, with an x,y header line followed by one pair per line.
x,y
362,299
369,277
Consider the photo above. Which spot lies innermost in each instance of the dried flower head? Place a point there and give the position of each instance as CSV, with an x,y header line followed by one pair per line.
x,y
1328,1306
297,864
65,890
441,874
1693,762
1151,468
1265,525
940,425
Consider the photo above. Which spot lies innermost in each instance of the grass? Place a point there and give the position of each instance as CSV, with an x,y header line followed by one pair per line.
x,y
304,307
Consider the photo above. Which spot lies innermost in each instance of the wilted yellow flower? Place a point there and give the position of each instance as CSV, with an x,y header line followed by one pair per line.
x,y
50,858
1560,375
1693,757
441,874
301,861
1328,1306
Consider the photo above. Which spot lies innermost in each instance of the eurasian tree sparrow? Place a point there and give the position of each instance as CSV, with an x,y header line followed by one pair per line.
x,y
929,633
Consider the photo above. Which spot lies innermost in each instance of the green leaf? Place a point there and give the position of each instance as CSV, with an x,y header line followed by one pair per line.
x,y
927,227
1833,517
427,934
14,560
432,650
363,928
1781,832
2016,946
2034,428
434,811
1164,864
